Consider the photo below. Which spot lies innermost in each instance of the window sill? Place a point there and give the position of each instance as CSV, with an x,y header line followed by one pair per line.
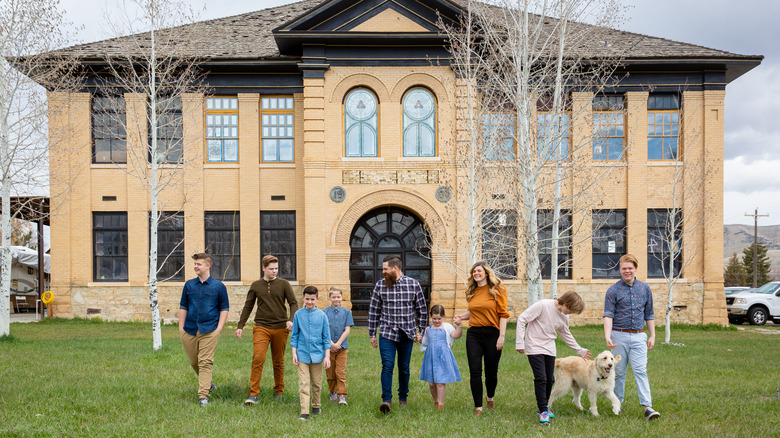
x,y
360,159
610,163
421,159
109,166
664,163
277,165
166,166
221,165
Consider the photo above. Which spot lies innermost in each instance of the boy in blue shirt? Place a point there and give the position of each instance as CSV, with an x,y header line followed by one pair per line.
x,y
310,342
340,320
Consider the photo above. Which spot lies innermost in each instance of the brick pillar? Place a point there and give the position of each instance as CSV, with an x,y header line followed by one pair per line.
x,y
636,179
315,189
714,302
582,154
194,145
137,190
249,187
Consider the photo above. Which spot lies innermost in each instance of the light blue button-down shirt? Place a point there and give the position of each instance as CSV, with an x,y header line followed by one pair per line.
x,y
310,335
339,319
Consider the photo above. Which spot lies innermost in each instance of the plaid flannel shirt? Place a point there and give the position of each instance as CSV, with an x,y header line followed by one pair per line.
x,y
397,308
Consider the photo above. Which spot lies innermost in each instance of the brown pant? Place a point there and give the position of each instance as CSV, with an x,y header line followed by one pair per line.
x,y
310,385
261,337
337,373
200,352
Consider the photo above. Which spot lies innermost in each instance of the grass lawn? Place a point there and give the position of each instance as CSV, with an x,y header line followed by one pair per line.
x,y
82,378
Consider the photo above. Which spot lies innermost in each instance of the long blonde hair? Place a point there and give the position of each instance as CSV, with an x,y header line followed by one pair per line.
x,y
493,281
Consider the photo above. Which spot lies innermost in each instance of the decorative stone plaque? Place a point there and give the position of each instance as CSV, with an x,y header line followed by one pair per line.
x,y
443,194
338,194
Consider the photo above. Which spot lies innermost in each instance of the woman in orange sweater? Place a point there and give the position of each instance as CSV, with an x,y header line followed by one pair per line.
x,y
488,315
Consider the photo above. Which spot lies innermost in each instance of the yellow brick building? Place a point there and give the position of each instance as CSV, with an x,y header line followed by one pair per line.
x,y
300,150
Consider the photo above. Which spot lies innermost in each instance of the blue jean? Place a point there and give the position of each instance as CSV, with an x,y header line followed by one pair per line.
x,y
632,347
388,350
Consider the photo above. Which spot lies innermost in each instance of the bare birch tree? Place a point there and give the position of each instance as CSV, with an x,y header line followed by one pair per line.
x,y
30,30
525,58
153,69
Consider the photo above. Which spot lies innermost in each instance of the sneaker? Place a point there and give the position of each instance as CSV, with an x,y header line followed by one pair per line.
x,y
544,417
403,403
343,400
252,399
651,414
334,397
203,402
304,417
384,407
315,411
551,414
277,397
213,387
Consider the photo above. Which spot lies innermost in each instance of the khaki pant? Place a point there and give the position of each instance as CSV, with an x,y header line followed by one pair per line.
x,y
310,385
261,337
337,373
200,352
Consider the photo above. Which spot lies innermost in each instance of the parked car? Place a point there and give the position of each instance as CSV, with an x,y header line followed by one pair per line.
x,y
756,305
730,290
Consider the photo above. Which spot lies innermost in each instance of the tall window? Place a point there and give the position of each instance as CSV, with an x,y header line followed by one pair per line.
x,y
663,243
169,131
360,131
277,237
552,136
608,128
663,119
222,129
546,244
498,132
170,246
277,126
609,242
499,241
223,243
419,123
109,237
109,137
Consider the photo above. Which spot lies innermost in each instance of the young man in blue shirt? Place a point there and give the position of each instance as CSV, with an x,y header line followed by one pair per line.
x,y
628,307
203,310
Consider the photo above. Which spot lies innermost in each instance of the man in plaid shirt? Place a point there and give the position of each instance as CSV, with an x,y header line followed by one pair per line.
x,y
399,313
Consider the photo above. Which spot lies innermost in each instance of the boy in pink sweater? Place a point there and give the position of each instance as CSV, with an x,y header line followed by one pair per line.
x,y
537,329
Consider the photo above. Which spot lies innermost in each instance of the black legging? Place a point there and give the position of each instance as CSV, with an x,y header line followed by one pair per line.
x,y
481,342
543,367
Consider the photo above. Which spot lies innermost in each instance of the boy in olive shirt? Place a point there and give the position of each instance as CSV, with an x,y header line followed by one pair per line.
x,y
272,325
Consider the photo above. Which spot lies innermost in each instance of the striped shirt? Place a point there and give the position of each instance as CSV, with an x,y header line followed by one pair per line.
x,y
399,308
629,306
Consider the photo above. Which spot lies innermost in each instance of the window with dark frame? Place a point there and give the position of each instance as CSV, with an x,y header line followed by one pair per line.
x,y
663,120
608,128
109,135
109,251
663,244
609,242
277,237
552,135
223,243
170,246
499,242
170,131
546,244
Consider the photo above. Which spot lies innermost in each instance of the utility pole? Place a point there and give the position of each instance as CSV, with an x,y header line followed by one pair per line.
x,y
755,245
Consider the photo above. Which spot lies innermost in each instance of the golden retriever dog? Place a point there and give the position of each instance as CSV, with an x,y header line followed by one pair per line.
x,y
595,376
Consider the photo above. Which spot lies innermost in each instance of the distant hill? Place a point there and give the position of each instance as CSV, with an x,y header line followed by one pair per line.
x,y
738,237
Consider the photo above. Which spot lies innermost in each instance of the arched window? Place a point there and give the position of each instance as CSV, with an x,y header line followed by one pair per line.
x,y
360,130
419,123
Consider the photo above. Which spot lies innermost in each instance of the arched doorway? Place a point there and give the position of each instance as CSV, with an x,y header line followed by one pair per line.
x,y
379,233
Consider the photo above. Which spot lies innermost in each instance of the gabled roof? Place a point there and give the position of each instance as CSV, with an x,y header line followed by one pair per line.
x,y
257,35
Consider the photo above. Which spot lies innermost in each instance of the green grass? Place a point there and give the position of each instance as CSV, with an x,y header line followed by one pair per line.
x,y
79,378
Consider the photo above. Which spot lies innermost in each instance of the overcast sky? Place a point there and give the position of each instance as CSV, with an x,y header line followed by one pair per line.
x,y
747,27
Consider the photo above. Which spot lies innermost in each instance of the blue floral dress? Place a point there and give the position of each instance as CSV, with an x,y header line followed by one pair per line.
x,y
439,365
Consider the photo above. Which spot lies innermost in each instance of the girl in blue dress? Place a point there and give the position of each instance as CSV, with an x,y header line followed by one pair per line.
x,y
439,366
